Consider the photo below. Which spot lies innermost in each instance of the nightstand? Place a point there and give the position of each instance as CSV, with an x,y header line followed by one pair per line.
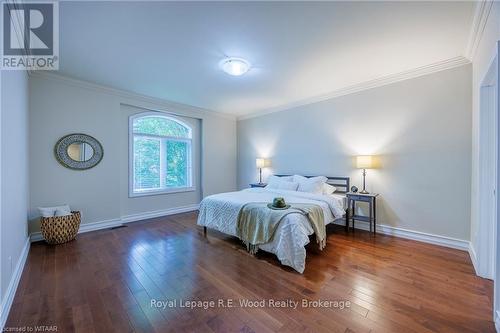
x,y
371,199
258,185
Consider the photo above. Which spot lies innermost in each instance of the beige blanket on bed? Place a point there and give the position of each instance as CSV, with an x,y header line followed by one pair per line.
x,y
257,223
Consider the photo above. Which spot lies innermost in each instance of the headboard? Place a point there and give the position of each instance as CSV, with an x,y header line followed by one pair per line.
x,y
341,183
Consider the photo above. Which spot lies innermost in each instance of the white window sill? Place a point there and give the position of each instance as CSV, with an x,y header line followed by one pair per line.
x,y
160,192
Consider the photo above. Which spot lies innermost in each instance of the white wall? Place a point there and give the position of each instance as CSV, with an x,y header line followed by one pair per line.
x,y
14,171
61,106
420,128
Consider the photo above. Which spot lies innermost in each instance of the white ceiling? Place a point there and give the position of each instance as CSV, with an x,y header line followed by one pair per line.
x,y
298,50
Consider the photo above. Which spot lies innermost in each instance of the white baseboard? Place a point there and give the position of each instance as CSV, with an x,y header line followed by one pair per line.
x,y
497,321
383,229
159,213
414,235
93,226
85,227
473,257
13,284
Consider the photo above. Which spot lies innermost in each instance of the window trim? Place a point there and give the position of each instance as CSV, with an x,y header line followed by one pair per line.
x,y
131,192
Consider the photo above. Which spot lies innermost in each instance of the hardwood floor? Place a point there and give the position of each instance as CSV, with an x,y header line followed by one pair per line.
x,y
105,281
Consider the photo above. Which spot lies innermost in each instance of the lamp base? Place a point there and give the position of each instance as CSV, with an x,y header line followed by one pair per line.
x,y
364,191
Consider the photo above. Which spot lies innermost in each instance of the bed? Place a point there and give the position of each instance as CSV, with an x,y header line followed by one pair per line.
x,y
220,212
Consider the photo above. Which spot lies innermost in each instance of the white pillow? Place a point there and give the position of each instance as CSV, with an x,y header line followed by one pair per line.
x,y
51,211
310,185
276,183
284,178
328,189
273,182
288,186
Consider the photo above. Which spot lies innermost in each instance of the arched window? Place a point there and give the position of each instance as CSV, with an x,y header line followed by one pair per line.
x,y
160,154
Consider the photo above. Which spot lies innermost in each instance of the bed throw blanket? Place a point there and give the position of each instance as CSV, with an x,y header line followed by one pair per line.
x,y
257,223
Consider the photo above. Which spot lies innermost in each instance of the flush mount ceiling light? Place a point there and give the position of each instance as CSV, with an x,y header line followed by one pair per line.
x,y
234,66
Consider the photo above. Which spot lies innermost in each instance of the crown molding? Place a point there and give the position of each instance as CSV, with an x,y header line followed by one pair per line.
x,y
481,15
127,94
382,81
379,82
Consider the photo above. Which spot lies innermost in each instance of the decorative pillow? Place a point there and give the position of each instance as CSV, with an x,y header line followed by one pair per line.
x,y
310,185
328,189
51,211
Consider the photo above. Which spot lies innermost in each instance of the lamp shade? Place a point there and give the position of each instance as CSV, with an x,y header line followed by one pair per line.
x,y
365,162
260,162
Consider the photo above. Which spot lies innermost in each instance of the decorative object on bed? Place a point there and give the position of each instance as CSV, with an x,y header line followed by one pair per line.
x,y
371,199
60,229
365,162
354,189
262,163
257,224
78,151
278,203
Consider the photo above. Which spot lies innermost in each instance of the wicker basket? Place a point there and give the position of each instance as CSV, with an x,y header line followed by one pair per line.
x,y
60,229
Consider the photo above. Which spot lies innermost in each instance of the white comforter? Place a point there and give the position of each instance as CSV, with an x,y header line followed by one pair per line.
x,y
220,212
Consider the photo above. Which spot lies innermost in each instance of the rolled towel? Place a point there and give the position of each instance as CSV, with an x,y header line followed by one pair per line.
x,y
62,212
54,211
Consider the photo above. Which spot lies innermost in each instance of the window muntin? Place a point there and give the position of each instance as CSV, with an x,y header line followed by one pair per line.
x,y
161,126
161,154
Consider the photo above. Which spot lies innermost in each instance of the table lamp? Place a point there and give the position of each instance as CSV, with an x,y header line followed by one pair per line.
x,y
261,163
365,162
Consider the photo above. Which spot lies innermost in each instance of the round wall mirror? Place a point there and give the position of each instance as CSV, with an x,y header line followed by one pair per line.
x,y
78,151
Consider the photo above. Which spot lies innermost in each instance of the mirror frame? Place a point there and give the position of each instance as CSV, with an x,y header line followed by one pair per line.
x,y
62,156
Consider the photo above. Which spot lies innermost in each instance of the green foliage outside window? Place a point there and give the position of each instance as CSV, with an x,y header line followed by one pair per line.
x,y
177,163
160,126
147,166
